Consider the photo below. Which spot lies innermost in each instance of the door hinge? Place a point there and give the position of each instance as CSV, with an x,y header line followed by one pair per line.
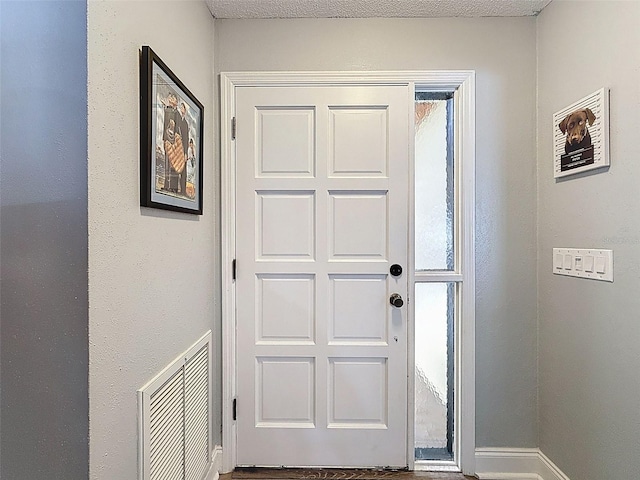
x,y
233,269
235,408
233,128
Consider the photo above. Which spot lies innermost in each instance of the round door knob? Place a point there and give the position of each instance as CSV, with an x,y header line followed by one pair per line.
x,y
396,300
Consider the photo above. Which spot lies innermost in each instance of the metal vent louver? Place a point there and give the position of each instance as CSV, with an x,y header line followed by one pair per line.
x,y
196,387
174,411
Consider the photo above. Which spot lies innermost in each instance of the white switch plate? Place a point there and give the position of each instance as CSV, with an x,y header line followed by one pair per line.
x,y
593,263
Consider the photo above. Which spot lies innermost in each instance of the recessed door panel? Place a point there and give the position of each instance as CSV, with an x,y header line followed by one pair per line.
x,y
286,225
358,311
358,393
285,393
286,141
285,308
358,225
358,137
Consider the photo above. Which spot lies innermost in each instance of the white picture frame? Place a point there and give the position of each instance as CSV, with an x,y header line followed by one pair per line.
x,y
581,135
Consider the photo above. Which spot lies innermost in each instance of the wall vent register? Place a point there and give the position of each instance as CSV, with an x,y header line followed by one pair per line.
x,y
174,415
592,263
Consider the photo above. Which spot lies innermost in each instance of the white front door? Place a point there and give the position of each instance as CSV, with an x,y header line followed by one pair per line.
x,y
322,211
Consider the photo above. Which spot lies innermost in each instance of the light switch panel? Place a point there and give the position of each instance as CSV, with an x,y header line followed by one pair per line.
x,y
588,263
577,261
591,263
558,260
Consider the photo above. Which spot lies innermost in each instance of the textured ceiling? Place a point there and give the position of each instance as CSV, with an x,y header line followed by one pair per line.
x,y
373,8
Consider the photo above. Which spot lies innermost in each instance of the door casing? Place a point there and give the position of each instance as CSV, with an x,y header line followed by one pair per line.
x,y
463,82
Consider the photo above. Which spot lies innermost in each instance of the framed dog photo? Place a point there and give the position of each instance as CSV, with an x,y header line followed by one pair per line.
x,y
581,135
171,139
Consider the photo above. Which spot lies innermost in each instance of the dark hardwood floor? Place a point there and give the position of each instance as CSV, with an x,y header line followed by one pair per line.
x,y
337,474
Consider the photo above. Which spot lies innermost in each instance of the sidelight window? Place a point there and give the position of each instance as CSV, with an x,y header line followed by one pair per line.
x,y
437,279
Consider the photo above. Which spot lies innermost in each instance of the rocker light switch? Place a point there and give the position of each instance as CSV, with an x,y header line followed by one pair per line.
x,y
558,260
590,263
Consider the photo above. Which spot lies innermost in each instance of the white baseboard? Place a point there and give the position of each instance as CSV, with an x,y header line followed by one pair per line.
x,y
515,464
549,470
216,464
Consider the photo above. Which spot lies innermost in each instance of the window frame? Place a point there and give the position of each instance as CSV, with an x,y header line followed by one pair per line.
x,y
462,276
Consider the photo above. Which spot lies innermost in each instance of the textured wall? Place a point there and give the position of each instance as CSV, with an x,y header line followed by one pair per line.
x,y
43,254
153,281
589,357
502,51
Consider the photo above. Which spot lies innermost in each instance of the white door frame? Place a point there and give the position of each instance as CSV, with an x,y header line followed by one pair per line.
x,y
463,82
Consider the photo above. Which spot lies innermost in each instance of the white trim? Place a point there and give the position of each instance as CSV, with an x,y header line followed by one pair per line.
x,y
515,464
228,240
507,463
463,275
411,290
466,350
434,80
463,82
215,465
436,466
549,470
509,476
438,277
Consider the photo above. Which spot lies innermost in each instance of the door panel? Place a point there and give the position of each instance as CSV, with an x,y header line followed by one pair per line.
x,y
322,202
285,225
286,142
296,323
368,211
359,140
358,312
285,408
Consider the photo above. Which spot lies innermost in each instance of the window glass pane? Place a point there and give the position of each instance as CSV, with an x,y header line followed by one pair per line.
x,y
435,305
434,182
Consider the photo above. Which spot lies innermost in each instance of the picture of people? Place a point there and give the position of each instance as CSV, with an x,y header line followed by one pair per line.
x,y
173,175
171,139
191,169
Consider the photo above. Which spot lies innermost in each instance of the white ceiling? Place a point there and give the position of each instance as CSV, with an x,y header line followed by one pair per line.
x,y
373,8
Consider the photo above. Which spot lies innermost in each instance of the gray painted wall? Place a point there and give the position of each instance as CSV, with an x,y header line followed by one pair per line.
x,y
43,240
502,51
589,418
153,275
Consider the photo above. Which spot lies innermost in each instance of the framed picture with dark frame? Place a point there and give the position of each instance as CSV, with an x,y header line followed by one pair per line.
x,y
171,139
